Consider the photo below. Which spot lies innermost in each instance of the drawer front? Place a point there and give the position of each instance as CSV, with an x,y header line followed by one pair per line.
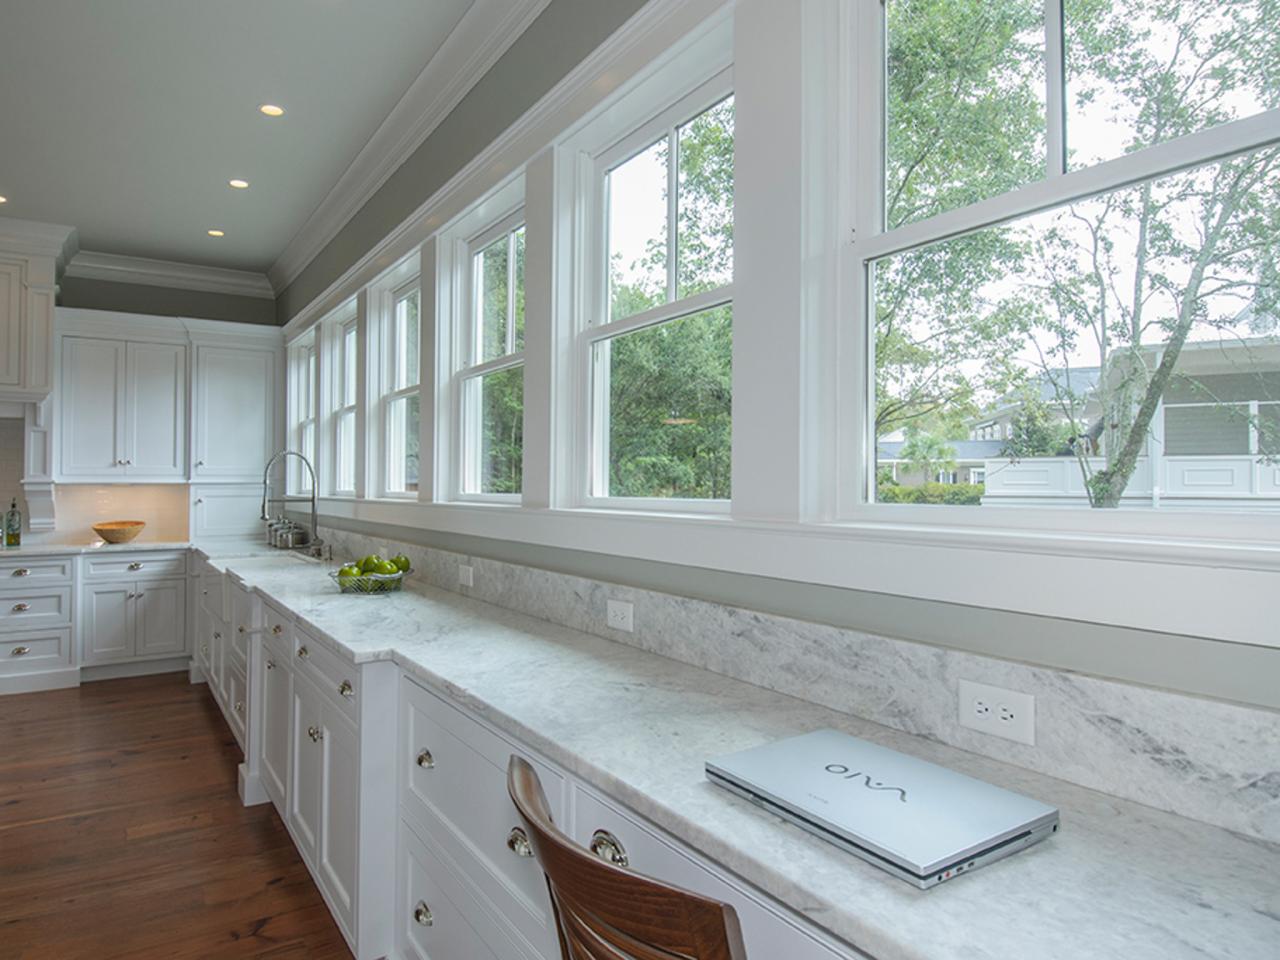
x,y
767,931
35,651
16,574
245,621
456,790
135,566
278,624
212,591
430,925
236,705
336,677
35,609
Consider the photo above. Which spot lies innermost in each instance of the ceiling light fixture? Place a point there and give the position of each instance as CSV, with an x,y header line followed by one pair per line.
x,y
216,233
271,110
239,184
4,199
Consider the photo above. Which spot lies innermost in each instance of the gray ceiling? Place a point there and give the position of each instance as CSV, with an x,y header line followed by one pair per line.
x,y
126,118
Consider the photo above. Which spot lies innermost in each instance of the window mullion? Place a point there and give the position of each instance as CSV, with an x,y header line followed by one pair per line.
x,y
511,292
673,208
1056,89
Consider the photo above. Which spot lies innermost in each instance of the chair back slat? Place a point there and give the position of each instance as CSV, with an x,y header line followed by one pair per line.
x,y
605,912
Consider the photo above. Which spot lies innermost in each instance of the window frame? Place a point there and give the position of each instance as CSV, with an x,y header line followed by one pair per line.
x,y
390,293
591,470
860,108
346,323
302,410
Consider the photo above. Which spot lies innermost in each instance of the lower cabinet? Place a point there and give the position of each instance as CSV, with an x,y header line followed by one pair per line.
x,y
134,620
429,925
274,684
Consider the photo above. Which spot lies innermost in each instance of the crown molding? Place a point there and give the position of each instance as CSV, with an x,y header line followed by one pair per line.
x,y
91,265
484,34
39,239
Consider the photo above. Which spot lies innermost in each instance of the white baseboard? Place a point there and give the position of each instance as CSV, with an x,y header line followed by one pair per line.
x,y
252,790
141,668
195,673
35,682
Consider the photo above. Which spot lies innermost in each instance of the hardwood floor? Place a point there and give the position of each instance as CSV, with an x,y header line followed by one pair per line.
x,y
122,835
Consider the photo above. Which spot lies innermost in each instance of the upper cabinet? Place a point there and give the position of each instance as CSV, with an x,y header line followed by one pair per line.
x,y
145,399
31,254
235,386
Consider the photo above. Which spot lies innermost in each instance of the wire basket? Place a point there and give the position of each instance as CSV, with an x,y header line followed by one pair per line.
x,y
370,584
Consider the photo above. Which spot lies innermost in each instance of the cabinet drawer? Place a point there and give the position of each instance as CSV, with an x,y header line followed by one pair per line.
x,y
35,609
16,573
767,931
34,651
455,787
135,566
277,623
436,918
336,677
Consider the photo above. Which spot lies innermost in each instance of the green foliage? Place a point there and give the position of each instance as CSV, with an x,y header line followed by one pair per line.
x,y
502,431
1037,431
927,453
954,494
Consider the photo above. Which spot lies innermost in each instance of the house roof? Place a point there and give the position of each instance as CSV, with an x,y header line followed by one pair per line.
x,y
963,450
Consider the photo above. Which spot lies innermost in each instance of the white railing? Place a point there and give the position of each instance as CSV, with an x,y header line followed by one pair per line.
x,y
1202,481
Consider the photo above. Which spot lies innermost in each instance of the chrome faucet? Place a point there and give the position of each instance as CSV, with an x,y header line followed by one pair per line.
x,y
266,479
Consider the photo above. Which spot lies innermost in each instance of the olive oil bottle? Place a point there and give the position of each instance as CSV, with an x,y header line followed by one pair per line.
x,y
13,525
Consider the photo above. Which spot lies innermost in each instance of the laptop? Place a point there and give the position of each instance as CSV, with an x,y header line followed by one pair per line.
x,y
921,822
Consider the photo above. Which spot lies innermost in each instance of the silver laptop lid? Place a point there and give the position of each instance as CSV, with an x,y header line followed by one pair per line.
x,y
918,815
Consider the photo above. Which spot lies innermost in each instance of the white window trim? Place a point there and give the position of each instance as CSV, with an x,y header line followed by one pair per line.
x,y
338,330
301,353
861,36
647,114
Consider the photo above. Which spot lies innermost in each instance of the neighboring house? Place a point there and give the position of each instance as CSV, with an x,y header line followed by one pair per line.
x,y
1214,441
968,463
1060,390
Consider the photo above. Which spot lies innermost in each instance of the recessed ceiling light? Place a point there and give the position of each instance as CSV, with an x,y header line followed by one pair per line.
x,y
271,110
4,199
239,184
216,233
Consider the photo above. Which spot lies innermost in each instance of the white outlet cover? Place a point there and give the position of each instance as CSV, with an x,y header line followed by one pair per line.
x,y
997,711
619,615
466,575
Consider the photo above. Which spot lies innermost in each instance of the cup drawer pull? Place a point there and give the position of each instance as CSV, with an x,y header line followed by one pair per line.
x,y
19,651
21,572
607,847
136,565
21,607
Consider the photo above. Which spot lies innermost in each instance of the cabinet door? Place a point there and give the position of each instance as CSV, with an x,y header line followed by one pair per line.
x,y
218,655
340,812
91,406
156,410
235,410
161,615
108,622
306,783
276,684
10,324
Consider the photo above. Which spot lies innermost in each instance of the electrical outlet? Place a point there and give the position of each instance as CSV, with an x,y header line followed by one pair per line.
x,y
997,711
618,614
466,575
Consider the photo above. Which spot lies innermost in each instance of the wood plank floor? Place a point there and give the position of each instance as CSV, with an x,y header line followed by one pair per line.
x,y
122,835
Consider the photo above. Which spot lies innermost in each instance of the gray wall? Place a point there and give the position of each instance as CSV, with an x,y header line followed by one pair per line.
x,y
558,40
1197,665
163,301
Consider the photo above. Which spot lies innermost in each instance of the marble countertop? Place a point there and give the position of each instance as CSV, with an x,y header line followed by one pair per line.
x,y
214,547
1118,880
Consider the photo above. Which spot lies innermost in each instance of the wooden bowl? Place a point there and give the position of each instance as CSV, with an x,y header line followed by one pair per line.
x,y
119,531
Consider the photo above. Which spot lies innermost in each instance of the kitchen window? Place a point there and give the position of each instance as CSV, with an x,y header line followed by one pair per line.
x,y
345,417
303,410
401,400
658,345
1069,214
489,381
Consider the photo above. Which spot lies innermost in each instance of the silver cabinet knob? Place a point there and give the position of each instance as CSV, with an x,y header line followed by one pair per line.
x,y
518,842
607,847
19,651
270,664
422,915
277,630
315,734
136,565
240,707
303,653
240,629
425,759
128,463
199,500
346,689
199,463
217,635
204,648
139,594
21,572
21,607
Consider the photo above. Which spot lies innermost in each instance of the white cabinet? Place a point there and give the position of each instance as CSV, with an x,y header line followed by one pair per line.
x,y
160,611
306,778
10,324
30,255
108,622
226,510
235,412
132,619
274,683
122,409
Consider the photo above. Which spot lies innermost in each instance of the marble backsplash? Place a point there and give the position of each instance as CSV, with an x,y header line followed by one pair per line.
x,y
1204,759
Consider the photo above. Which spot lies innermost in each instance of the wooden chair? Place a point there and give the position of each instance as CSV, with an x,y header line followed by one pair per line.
x,y
604,912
